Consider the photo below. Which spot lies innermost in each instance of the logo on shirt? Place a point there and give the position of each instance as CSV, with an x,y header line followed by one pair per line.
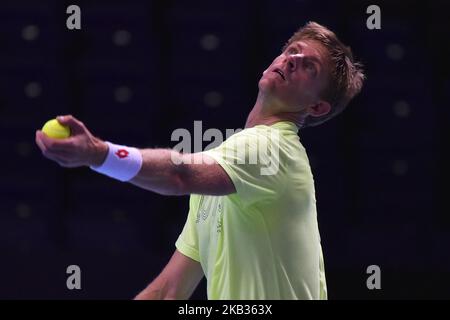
x,y
212,208
204,214
219,218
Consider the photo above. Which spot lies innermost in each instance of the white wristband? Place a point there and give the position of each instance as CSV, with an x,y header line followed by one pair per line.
x,y
122,163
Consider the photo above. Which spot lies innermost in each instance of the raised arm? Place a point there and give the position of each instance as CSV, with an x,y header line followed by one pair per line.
x,y
163,171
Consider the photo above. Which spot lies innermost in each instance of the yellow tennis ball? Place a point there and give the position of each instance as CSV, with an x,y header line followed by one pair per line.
x,y
54,129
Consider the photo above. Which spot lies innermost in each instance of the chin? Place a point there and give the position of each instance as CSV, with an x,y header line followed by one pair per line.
x,y
265,85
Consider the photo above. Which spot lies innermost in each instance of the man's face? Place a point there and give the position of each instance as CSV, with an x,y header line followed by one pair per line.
x,y
296,77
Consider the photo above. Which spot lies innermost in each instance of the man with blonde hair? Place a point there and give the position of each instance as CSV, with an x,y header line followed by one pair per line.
x,y
253,235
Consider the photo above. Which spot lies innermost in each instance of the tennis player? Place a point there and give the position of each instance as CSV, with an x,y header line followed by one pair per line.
x,y
252,232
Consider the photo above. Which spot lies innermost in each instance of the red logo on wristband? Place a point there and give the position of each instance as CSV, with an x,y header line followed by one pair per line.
x,y
122,153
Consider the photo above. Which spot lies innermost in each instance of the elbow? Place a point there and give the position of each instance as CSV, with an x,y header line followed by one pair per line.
x,y
181,180
177,187
181,185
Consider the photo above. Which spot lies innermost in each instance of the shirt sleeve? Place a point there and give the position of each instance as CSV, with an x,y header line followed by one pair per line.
x,y
251,159
187,242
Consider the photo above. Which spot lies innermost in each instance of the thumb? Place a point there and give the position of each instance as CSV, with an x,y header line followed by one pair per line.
x,y
74,124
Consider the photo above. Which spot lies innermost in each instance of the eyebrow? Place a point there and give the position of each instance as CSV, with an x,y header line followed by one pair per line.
x,y
309,57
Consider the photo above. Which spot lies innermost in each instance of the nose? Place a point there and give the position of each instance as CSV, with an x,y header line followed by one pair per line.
x,y
292,61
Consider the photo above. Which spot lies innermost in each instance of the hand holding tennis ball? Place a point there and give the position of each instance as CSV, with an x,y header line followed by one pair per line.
x,y
55,130
68,142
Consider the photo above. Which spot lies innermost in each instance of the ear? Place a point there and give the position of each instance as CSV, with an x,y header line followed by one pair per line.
x,y
321,108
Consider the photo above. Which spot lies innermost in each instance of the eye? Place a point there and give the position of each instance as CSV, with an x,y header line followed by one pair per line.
x,y
292,50
310,66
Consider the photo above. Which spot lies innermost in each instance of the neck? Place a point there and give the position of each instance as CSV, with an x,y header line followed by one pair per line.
x,y
264,112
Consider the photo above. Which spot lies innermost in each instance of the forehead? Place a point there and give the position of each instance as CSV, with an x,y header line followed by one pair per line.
x,y
313,48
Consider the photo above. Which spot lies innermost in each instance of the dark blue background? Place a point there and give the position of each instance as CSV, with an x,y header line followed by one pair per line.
x,y
381,168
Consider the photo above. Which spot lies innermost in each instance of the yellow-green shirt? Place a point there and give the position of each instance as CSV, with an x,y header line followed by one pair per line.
x,y
263,241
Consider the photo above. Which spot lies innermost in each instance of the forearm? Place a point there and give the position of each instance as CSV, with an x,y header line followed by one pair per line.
x,y
178,280
161,289
153,293
160,172
165,171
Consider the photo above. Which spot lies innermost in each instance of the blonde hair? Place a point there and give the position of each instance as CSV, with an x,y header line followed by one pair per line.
x,y
346,75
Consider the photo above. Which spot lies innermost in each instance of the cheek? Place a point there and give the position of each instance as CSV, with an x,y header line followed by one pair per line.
x,y
307,87
299,93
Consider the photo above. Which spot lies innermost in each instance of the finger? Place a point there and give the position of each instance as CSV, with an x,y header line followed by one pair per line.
x,y
69,164
40,143
64,159
54,144
59,161
76,126
61,155
49,155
